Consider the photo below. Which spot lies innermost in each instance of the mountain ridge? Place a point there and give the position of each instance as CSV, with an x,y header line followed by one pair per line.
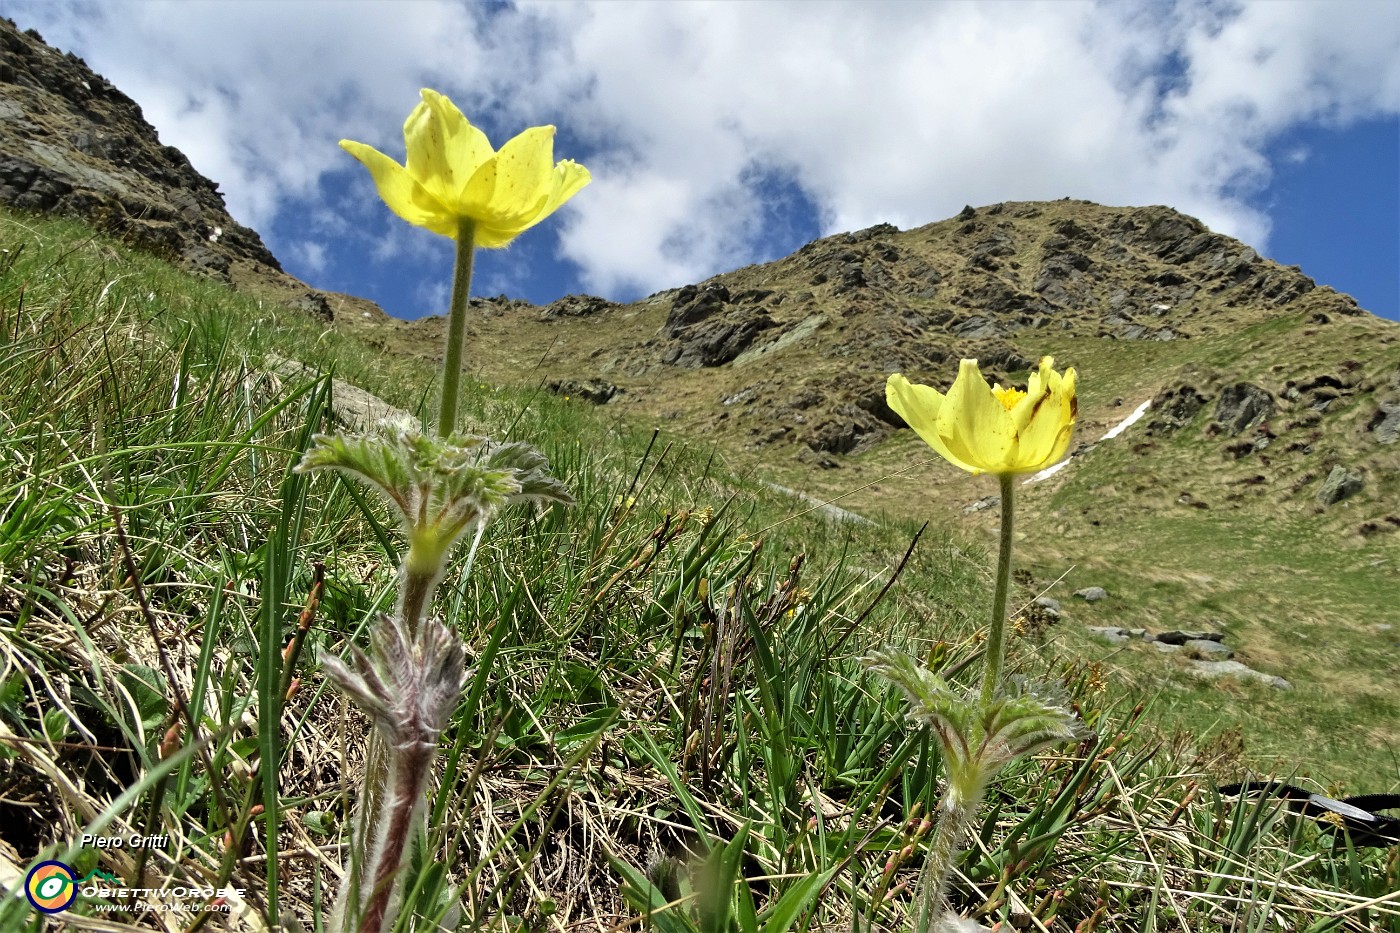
x,y
72,143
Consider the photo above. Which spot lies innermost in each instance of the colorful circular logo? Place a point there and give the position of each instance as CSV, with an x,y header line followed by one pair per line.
x,y
51,887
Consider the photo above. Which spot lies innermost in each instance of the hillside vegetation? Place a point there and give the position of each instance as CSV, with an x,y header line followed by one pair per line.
x,y
1208,515
666,672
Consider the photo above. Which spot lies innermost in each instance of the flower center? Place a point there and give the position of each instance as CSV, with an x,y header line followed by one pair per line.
x,y
1008,397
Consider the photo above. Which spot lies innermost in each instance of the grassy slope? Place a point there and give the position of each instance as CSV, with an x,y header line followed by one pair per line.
x,y
1301,592
127,384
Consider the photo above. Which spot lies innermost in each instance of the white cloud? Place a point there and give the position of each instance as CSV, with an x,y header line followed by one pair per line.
x,y
257,94
312,254
898,112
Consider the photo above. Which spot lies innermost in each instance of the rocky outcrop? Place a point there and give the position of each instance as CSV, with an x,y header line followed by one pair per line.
x,y
1242,406
72,143
710,328
1174,407
596,391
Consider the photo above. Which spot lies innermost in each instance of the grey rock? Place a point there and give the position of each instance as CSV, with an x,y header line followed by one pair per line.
x,y
986,502
316,305
1165,647
1092,594
74,144
576,306
590,390
976,327
1242,406
1177,637
693,304
791,337
1174,407
743,396
352,405
822,507
1109,633
1340,484
1211,649
1048,602
713,343
1213,669
1385,423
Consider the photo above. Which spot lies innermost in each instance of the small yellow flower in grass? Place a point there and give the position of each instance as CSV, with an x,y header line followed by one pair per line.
x,y
452,174
988,429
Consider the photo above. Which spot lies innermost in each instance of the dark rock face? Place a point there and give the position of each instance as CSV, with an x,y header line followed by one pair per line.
x,y
1174,407
711,329
576,306
314,304
72,143
693,304
591,390
1242,406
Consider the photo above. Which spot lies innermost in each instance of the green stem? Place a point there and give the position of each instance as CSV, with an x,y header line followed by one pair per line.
x,y
456,327
996,635
416,587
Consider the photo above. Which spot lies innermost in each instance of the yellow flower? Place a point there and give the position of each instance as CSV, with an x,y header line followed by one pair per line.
x,y
453,174
989,429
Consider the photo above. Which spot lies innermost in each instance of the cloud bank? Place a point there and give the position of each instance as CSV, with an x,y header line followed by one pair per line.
x,y
703,121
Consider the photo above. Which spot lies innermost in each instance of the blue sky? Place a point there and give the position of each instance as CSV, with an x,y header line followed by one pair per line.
x,y
726,133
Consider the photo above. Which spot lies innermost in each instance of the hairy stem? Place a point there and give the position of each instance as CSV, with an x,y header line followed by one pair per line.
x,y
996,635
956,814
456,327
406,784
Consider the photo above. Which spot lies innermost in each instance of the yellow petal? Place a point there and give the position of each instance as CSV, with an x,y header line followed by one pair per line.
x,y
444,149
475,199
1044,418
562,182
569,180
919,406
524,178
974,425
401,192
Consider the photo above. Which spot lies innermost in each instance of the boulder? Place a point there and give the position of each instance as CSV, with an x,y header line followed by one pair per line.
x,y
1177,637
986,502
1210,649
1213,669
590,390
1242,406
1385,423
576,306
717,342
1092,594
1340,484
693,304
351,405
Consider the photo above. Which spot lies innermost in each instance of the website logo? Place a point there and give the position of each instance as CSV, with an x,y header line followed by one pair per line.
x,y
51,887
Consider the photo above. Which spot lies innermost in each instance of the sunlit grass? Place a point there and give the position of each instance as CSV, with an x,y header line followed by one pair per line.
x,y
665,721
